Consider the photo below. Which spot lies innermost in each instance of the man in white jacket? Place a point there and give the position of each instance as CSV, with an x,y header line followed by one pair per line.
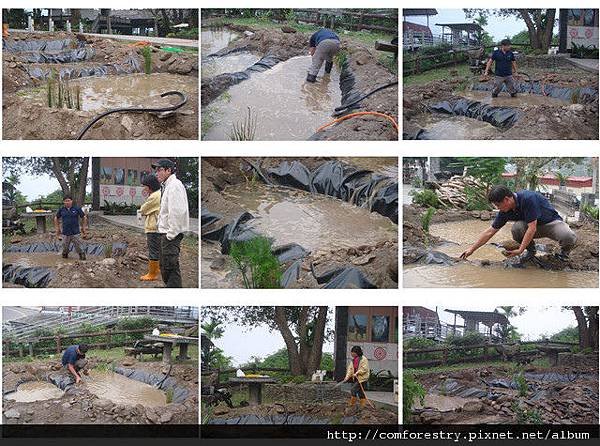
x,y
173,221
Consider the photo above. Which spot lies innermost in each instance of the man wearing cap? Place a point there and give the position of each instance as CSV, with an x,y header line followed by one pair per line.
x,y
505,69
74,360
173,221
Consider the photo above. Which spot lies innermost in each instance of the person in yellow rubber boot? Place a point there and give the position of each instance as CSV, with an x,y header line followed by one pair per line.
x,y
357,373
150,210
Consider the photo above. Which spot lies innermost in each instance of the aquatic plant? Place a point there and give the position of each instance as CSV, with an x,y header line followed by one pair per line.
x,y
426,219
341,58
60,94
108,250
525,416
412,391
147,55
257,264
576,96
169,395
521,383
427,198
245,130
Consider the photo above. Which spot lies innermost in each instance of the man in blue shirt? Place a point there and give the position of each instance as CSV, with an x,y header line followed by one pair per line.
x,y
69,216
505,69
324,45
74,360
535,218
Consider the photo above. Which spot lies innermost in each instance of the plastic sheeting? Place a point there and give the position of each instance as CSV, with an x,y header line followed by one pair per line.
x,y
347,277
280,419
77,55
427,256
91,249
501,117
27,276
207,218
180,394
336,179
586,94
13,46
236,231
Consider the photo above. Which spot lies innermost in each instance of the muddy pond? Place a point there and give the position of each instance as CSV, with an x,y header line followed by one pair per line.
x,y
32,391
519,101
317,222
99,93
458,236
121,390
438,126
213,40
284,105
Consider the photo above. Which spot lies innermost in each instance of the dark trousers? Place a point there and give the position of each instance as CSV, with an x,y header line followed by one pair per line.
x,y
169,261
357,390
154,241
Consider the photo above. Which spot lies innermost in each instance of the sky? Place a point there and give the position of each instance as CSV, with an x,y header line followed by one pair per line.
x,y
241,343
532,324
34,186
497,27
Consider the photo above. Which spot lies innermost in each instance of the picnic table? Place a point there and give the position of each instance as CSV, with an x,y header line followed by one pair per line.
x,y
170,342
552,352
40,220
254,387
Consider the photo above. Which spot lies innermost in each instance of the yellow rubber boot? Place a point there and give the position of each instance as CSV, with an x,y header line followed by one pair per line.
x,y
153,271
352,401
363,402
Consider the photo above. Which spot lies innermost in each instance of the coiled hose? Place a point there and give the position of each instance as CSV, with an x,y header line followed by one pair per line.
x,y
339,110
180,104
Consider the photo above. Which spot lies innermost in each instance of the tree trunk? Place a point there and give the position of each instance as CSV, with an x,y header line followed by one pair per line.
x,y
316,352
540,34
288,338
80,194
584,332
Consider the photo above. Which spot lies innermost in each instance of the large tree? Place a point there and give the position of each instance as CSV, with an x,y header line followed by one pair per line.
x,y
71,173
539,22
587,326
530,169
303,329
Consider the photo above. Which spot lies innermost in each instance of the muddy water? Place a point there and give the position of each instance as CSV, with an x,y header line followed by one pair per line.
x,y
232,63
212,41
459,236
285,106
47,259
455,127
103,93
122,390
522,99
387,166
31,391
224,277
315,221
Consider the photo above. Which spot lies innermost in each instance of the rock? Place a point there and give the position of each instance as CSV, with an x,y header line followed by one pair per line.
x,y
541,119
576,107
165,417
127,362
221,410
12,414
218,263
248,33
127,123
288,29
363,260
430,416
165,56
109,261
485,215
65,405
472,406
152,416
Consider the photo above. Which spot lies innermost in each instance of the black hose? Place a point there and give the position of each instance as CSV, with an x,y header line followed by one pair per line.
x,y
162,381
365,96
183,101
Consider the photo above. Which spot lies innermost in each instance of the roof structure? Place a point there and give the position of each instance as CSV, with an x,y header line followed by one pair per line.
x,y
418,12
469,27
488,318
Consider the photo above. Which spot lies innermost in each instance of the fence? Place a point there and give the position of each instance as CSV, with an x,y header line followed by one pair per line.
x,y
218,373
445,352
16,348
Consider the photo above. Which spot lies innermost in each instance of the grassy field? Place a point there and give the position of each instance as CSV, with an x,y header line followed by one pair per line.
x,y
541,363
113,354
436,74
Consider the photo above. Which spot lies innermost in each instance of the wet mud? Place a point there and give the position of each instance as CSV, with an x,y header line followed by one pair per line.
x,y
44,259
213,66
213,40
284,105
32,391
311,220
122,390
519,101
437,126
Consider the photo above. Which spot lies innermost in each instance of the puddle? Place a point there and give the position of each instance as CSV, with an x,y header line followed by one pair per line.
x,y
31,391
232,63
522,99
465,275
438,126
106,92
387,166
45,259
443,403
285,106
217,278
212,41
315,221
122,390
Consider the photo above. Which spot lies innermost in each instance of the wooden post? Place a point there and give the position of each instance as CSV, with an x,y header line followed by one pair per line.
x,y
109,339
445,356
31,349
58,344
21,354
7,348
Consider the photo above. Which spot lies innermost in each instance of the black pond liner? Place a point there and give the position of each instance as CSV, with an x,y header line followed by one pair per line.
x,y
586,94
332,178
280,419
40,276
39,45
65,382
130,65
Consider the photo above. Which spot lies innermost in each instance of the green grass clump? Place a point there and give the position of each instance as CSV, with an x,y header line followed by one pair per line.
x,y
147,55
426,219
244,130
259,267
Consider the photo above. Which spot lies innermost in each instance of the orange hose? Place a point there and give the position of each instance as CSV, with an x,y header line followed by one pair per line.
x,y
141,43
352,115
